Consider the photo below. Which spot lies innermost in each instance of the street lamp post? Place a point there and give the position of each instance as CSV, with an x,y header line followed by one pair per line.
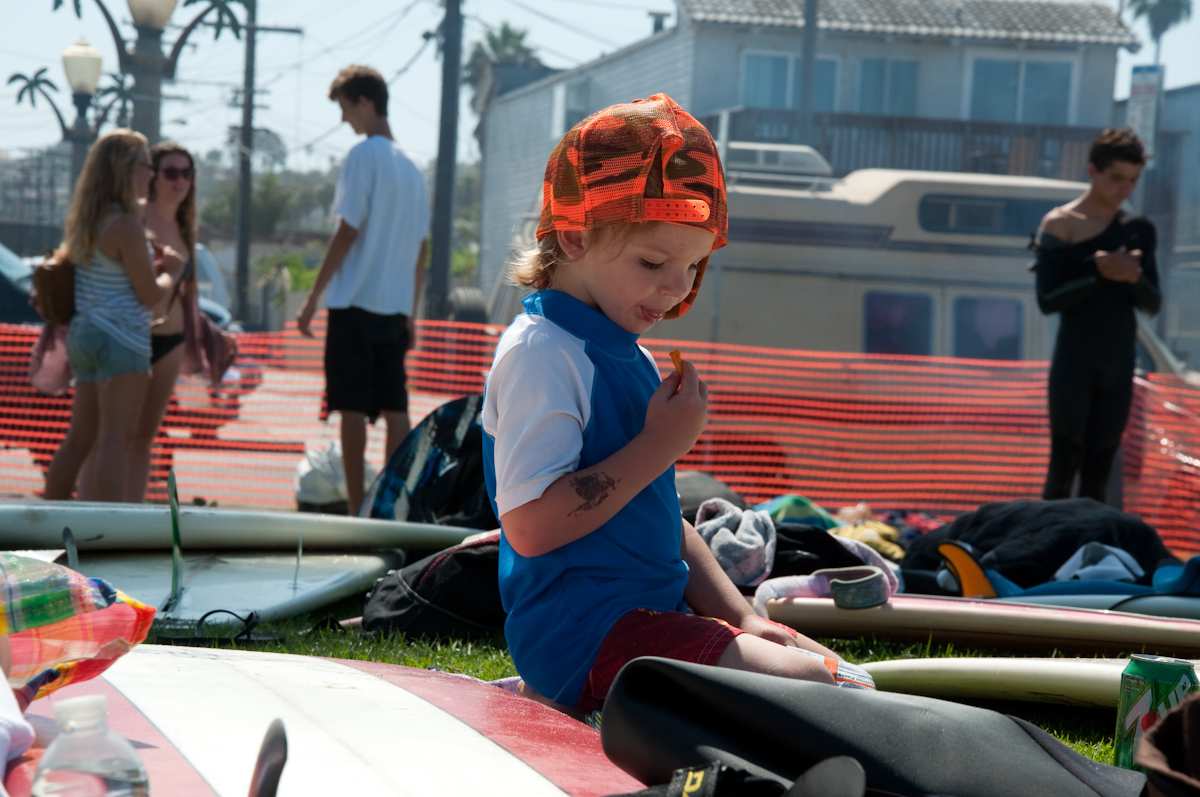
x,y
145,61
82,65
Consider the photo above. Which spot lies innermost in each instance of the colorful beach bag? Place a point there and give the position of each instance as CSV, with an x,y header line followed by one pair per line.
x,y
62,626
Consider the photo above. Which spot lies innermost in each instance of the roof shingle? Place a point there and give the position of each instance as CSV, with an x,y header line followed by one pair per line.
x,y
1050,21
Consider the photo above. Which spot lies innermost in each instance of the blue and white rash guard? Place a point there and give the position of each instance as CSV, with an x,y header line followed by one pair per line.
x,y
568,388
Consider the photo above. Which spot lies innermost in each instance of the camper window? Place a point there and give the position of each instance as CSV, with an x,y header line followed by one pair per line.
x,y
974,215
897,323
988,328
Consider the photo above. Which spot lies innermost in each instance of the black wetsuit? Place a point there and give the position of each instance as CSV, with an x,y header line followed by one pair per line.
x,y
1091,375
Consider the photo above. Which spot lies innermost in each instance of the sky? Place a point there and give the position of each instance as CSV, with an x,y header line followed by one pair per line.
x,y
294,71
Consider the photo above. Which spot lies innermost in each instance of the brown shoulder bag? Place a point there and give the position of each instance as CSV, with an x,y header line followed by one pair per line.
x,y
54,289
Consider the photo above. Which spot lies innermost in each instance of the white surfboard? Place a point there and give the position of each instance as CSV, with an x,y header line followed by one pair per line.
x,y
223,589
1075,682
197,717
147,527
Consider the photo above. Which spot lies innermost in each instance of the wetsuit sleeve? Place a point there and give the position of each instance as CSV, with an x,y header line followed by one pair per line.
x,y
1147,296
1064,278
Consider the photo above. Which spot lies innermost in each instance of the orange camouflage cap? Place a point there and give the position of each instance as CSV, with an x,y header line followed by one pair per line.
x,y
598,173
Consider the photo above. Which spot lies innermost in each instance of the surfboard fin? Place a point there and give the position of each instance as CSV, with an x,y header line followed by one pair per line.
x,y
176,547
68,538
960,560
272,756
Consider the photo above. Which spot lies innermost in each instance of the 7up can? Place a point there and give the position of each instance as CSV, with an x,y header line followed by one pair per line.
x,y
1150,687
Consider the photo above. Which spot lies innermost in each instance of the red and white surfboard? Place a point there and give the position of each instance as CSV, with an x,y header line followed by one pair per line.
x,y
197,717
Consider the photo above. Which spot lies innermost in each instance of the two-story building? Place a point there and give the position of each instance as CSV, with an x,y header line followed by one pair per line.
x,y
1007,86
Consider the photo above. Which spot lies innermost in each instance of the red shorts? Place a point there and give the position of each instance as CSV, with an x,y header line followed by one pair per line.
x,y
643,632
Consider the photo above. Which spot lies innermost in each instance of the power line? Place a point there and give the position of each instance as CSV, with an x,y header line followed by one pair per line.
x,y
397,15
394,77
606,4
490,28
584,32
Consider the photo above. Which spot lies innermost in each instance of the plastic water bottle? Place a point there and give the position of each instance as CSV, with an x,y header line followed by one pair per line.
x,y
87,759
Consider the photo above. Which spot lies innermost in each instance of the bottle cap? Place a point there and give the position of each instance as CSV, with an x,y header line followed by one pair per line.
x,y
81,711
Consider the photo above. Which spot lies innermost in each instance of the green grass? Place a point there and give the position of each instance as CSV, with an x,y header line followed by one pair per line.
x,y
1087,731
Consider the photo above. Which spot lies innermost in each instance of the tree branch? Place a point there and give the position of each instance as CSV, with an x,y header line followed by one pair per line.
x,y
173,58
122,49
62,123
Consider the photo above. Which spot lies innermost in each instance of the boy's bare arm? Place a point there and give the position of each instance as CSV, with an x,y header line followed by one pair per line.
x,y
579,503
710,593
339,245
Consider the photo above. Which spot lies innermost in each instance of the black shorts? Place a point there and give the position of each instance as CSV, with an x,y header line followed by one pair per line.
x,y
364,361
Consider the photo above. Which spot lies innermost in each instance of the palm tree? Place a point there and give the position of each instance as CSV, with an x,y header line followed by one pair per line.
x,y
35,85
1161,16
503,45
117,94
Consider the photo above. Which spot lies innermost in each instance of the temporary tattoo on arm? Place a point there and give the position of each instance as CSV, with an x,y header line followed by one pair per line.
x,y
594,489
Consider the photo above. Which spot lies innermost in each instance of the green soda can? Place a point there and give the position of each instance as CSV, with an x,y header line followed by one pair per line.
x,y
1150,687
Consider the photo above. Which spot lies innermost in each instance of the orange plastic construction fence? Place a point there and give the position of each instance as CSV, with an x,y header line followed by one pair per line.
x,y
942,435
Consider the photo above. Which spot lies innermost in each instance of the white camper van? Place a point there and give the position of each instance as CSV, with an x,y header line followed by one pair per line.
x,y
882,260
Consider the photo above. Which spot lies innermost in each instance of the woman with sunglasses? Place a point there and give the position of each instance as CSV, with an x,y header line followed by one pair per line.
x,y
170,225
116,285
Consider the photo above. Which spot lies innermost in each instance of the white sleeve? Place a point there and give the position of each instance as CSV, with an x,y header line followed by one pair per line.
x,y
537,408
353,194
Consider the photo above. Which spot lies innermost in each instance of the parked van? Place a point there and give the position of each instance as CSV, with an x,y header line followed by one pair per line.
x,y
882,260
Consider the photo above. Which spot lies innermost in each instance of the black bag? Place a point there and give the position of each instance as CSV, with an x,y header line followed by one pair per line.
x,y
663,715
436,474
453,593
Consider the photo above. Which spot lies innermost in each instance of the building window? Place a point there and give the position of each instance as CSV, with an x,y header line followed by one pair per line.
x,y
824,84
773,80
572,102
898,323
1035,92
888,87
988,328
979,215
765,81
1046,93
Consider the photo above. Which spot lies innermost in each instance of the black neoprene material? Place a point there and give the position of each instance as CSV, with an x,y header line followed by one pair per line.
x,y
663,715
1092,369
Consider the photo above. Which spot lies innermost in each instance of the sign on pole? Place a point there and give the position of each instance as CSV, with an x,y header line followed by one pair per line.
x,y
1142,110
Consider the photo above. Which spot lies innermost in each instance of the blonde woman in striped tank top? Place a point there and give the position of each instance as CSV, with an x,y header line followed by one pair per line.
x,y
109,341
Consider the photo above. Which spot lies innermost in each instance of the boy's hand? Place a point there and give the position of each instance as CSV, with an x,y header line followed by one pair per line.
x,y
768,630
678,411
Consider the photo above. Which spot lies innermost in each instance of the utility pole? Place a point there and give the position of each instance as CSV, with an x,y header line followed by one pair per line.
x,y
807,73
245,151
443,191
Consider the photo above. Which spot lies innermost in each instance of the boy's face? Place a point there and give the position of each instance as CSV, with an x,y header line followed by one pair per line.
x,y
1117,182
357,113
636,279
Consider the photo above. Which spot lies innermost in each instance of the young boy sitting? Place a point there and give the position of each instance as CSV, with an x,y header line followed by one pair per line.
x,y
581,433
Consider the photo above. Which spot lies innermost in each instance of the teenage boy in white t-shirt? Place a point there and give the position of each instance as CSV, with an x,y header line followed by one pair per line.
x,y
373,271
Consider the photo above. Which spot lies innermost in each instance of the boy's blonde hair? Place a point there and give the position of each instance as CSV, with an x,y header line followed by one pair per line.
x,y
106,180
534,266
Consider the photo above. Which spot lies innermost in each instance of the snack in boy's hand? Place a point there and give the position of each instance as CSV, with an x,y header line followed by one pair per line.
x,y
677,359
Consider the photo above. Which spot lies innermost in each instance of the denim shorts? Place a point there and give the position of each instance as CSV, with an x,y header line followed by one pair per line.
x,y
96,356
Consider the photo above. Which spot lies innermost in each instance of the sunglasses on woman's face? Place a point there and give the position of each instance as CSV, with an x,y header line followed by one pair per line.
x,y
174,173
